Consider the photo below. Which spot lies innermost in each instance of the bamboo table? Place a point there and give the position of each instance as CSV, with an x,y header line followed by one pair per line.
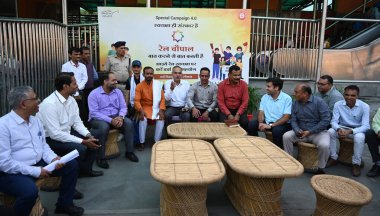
x,y
205,131
256,169
185,168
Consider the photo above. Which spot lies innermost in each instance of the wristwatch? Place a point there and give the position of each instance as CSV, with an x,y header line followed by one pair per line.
x,y
270,125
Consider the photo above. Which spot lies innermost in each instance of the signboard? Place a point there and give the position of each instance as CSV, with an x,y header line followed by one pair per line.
x,y
165,37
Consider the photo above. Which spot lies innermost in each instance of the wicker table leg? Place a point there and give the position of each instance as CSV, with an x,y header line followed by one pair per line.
x,y
327,207
183,200
254,196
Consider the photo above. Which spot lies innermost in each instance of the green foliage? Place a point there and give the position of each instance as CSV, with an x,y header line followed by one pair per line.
x,y
254,99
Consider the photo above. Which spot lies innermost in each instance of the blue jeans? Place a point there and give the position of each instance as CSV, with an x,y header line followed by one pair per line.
x,y
277,131
215,71
23,187
101,128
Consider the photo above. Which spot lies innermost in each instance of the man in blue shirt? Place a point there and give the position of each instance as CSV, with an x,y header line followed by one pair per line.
x,y
310,120
350,120
274,112
24,153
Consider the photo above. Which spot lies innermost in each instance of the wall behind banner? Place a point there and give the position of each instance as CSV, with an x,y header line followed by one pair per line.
x,y
165,37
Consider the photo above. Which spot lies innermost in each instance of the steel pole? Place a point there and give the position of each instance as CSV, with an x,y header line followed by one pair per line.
x,y
315,9
148,3
244,4
267,9
321,41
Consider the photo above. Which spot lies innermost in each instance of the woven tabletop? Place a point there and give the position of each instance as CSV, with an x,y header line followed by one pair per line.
x,y
257,157
185,162
341,189
204,130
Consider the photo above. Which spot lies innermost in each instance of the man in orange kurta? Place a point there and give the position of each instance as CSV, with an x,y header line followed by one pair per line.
x,y
150,104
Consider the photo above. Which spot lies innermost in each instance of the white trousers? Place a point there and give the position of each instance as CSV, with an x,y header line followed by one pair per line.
x,y
157,134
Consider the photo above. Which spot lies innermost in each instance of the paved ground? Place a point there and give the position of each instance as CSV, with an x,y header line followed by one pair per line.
x,y
128,189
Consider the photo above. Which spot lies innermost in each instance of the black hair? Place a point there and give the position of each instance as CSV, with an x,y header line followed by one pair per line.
x,y
233,68
277,82
104,76
352,87
328,78
75,49
84,48
147,68
63,78
206,69
239,47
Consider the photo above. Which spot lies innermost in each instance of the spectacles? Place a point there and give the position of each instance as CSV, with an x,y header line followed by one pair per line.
x,y
34,99
322,84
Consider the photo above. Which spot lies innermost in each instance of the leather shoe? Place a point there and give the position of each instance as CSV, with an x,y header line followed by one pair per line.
x,y
374,171
102,164
70,210
331,162
77,195
131,156
140,147
92,173
319,171
356,170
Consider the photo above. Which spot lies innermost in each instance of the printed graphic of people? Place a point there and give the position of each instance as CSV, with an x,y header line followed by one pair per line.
x,y
226,53
215,67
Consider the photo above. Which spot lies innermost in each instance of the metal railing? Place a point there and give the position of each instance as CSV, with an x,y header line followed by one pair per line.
x,y
284,47
31,53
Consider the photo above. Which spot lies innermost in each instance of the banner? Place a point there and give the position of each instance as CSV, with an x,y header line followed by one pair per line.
x,y
190,38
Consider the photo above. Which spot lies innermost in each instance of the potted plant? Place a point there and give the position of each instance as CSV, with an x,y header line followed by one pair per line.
x,y
253,102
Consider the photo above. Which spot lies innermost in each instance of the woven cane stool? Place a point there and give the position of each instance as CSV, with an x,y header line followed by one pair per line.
x,y
205,131
346,150
308,156
51,184
185,168
256,169
269,135
339,196
37,210
112,148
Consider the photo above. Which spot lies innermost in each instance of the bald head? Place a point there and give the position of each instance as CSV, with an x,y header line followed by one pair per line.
x,y
302,92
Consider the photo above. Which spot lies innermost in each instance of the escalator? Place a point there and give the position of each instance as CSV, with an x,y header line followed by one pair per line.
x,y
361,38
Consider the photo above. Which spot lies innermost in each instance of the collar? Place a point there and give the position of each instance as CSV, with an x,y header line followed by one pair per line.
x,y
229,83
60,97
280,96
200,83
18,118
73,64
311,98
356,103
329,92
103,92
84,62
115,56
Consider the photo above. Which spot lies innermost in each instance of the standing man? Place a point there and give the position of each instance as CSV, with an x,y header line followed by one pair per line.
x,y
274,112
233,98
130,86
108,110
310,120
79,70
92,76
119,65
373,140
22,157
328,92
201,98
63,127
175,95
350,120
149,104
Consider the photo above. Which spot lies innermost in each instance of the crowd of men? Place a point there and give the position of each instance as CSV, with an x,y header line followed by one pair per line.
x,y
78,115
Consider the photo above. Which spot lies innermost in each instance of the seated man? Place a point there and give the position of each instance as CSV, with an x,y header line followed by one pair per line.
x,y
310,120
24,153
328,92
201,98
108,110
233,98
149,104
373,140
350,120
59,114
274,112
175,95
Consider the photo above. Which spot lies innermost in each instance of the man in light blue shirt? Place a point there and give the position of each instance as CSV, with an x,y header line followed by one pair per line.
x,y
24,153
274,112
350,120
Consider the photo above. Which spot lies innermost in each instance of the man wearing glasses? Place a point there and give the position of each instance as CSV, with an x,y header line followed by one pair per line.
x,y
328,92
119,65
201,98
24,153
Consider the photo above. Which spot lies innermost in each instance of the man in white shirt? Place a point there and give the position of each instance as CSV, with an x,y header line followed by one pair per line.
x,y
176,97
59,114
24,153
79,69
